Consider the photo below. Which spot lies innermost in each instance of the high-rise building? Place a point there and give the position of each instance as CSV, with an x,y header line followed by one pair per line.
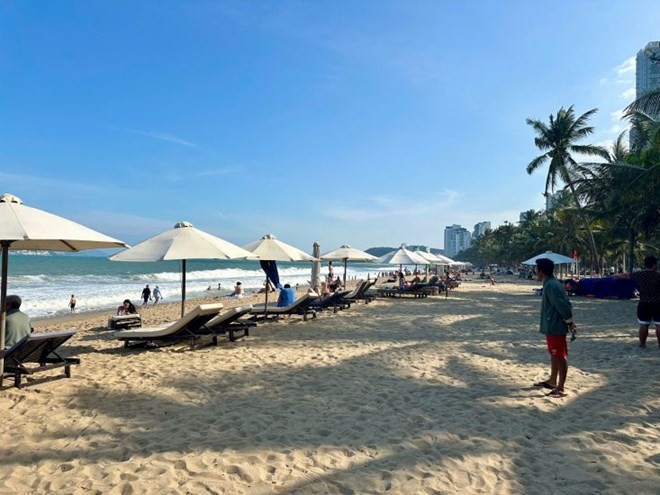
x,y
457,239
480,229
648,68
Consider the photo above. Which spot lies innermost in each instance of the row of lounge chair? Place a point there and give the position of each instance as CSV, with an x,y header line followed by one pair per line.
x,y
39,350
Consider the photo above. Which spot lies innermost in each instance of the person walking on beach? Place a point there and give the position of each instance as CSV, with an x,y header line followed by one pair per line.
x,y
648,307
146,294
72,303
17,324
556,322
157,295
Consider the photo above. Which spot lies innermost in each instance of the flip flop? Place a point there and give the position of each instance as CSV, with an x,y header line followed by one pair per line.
x,y
544,384
556,394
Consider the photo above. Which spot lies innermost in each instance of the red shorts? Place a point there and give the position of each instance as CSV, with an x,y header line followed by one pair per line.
x,y
557,345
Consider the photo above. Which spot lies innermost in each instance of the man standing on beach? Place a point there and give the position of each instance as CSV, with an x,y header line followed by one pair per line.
x,y
648,308
556,322
146,294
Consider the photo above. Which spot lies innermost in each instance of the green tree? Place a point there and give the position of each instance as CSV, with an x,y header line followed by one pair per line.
x,y
558,139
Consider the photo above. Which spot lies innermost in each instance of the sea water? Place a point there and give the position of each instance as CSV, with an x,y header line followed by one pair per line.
x,y
46,283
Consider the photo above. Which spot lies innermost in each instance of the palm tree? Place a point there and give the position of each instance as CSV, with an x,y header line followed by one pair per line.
x,y
558,140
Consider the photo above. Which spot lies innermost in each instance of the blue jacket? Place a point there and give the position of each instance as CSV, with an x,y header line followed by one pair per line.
x,y
287,297
556,309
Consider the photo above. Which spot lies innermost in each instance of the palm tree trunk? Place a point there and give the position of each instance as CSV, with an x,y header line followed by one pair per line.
x,y
632,236
592,241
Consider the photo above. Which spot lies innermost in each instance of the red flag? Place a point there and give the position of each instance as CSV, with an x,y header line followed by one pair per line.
x,y
575,254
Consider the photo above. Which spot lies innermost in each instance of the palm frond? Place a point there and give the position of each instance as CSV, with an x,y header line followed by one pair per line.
x,y
648,103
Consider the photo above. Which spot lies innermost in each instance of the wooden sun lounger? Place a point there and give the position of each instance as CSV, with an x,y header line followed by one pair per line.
x,y
229,322
300,306
362,292
336,301
414,291
186,328
40,348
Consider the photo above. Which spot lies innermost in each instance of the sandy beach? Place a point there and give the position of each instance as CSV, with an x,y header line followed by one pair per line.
x,y
413,396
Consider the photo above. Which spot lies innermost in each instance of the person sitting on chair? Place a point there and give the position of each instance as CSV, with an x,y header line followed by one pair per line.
x,y
18,324
287,297
127,308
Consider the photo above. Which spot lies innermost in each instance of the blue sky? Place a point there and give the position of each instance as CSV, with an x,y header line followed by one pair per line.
x,y
369,123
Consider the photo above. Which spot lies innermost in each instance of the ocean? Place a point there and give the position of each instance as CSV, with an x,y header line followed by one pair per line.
x,y
45,283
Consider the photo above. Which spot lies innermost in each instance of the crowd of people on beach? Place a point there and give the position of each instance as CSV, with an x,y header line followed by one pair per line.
x,y
556,319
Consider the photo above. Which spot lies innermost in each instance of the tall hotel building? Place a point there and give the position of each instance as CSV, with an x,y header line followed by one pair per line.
x,y
480,229
648,68
457,239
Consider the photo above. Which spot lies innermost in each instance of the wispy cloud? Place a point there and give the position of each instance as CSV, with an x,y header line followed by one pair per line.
x,y
161,136
217,172
393,207
627,67
617,114
628,94
19,182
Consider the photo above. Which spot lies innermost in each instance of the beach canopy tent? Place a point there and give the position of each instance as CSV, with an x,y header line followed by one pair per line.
x,y
557,259
23,227
347,253
183,242
270,250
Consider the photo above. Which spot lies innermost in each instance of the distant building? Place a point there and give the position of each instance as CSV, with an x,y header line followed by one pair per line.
x,y
551,200
647,77
648,68
457,239
480,229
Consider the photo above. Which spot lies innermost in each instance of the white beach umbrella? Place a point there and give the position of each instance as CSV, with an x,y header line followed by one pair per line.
x,y
401,256
269,248
23,227
347,253
557,259
429,257
183,242
444,260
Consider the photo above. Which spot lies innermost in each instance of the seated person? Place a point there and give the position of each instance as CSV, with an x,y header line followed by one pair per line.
x,y
336,285
415,280
263,289
127,308
571,286
325,291
287,296
238,291
18,324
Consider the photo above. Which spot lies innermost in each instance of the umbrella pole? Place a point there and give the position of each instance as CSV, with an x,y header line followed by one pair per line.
x,y
345,263
183,288
3,299
266,303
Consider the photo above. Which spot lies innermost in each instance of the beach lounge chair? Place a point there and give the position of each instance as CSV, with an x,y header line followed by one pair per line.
x,y
361,292
335,301
415,290
190,328
229,322
300,306
40,348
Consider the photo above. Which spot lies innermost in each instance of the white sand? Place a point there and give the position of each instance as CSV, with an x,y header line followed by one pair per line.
x,y
413,396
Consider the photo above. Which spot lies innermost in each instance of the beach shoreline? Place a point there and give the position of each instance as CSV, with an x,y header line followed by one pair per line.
x,y
401,396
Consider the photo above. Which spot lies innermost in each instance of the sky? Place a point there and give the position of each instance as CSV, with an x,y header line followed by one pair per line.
x,y
369,123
